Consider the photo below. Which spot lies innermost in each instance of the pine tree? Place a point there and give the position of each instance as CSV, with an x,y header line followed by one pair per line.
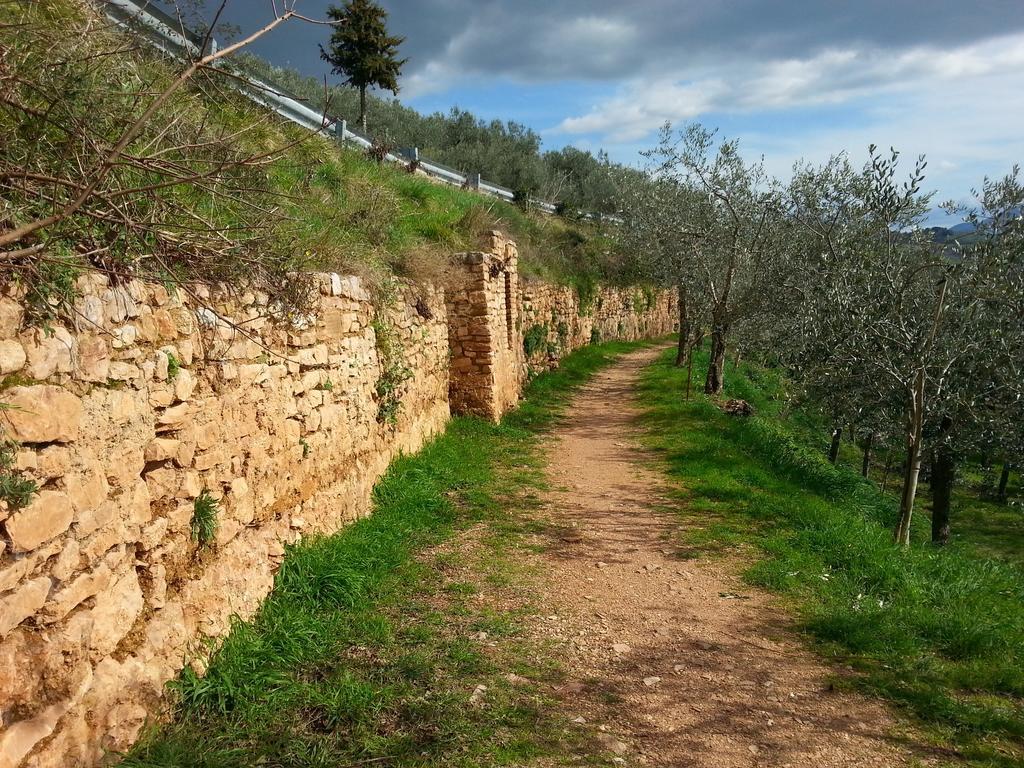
x,y
362,51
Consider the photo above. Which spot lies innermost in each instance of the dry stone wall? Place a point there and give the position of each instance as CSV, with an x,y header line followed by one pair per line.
x,y
151,400
123,422
485,330
555,321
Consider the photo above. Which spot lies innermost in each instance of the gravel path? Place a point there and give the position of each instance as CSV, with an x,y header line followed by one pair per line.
x,y
676,661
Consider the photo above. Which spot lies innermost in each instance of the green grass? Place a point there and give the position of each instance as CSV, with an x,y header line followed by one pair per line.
x,y
938,632
364,651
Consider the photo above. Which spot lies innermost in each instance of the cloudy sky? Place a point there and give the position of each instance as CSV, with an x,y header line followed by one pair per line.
x,y
794,79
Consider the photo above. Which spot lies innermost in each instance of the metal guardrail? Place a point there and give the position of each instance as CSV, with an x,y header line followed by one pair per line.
x,y
167,33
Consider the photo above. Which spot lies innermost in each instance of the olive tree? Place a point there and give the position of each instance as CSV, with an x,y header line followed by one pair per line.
x,y
735,224
658,233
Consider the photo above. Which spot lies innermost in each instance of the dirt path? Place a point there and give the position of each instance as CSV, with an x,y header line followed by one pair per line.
x,y
677,662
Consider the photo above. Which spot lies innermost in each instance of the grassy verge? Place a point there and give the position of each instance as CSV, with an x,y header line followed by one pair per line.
x,y
220,189
368,651
939,632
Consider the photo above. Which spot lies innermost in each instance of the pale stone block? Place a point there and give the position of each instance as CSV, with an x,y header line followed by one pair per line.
x,y
65,600
162,482
87,488
48,515
12,356
115,612
184,384
11,314
174,417
162,449
93,361
67,562
23,603
49,354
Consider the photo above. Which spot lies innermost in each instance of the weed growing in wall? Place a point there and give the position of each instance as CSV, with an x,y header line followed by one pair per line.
x,y
393,370
15,489
649,297
586,293
535,339
204,519
595,336
173,366
563,335
643,299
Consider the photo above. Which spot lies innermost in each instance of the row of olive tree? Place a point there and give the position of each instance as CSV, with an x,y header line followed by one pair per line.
x,y
895,337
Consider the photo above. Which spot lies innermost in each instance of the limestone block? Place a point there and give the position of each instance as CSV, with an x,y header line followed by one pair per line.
x,y
11,314
313,356
65,600
203,462
125,336
18,740
119,304
174,417
67,562
50,353
87,488
153,533
115,612
13,574
184,384
161,396
207,435
185,454
93,361
186,350
162,482
26,459
48,515
162,449
166,327
23,603
12,356
121,371
161,369
254,374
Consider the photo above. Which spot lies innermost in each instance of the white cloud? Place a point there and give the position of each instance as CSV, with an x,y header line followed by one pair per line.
x,y
829,77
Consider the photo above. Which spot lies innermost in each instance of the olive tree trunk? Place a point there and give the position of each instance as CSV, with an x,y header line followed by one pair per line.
x,y
865,465
943,477
912,471
833,450
1004,480
716,364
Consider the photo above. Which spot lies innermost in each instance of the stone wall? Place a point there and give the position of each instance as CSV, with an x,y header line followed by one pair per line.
x,y
554,322
149,401
485,330
128,418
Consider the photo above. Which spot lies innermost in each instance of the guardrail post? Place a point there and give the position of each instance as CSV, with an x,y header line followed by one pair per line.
x,y
474,180
341,130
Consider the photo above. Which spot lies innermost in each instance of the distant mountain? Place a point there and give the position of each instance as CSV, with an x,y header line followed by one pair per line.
x,y
964,228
